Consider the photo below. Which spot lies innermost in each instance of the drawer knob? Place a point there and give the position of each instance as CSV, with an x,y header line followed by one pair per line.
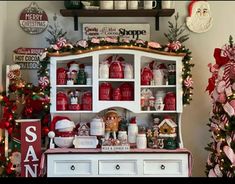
x,y
163,167
72,167
117,167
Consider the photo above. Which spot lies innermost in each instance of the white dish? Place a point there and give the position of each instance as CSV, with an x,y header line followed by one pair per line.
x,y
64,142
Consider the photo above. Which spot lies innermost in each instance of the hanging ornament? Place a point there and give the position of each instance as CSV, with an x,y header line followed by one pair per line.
x,y
218,171
43,81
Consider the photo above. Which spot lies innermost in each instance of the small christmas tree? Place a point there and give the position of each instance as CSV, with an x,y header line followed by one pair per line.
x,y
221,159
56,32
175,32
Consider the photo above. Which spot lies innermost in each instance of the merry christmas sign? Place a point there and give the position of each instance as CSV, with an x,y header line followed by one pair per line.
x,y
30,147
33,19
127,31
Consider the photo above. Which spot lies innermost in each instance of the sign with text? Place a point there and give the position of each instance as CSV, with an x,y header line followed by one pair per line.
x,y
128,31
33,19
30,147
27,58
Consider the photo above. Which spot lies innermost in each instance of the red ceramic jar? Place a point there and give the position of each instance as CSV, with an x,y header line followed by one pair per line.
x,y
61,78
170,101
127,91
61,101
87,101
105,91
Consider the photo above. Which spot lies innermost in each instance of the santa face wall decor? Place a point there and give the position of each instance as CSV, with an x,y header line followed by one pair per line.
x,y
199,19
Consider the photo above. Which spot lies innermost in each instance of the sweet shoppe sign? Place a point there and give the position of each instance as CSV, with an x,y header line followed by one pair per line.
x,y
124,31
33,19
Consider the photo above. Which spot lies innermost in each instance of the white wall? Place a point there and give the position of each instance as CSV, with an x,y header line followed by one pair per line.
x,y
3,15
195,117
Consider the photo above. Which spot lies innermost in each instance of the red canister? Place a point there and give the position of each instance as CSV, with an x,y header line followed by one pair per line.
x,y
117,96
61,76
170,101
61,101
87,101
105,91
116,70
146,76
127,91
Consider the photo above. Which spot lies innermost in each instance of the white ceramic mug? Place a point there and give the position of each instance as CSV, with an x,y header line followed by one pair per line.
x,y
106,5
150,4
120,5
132,5
168,4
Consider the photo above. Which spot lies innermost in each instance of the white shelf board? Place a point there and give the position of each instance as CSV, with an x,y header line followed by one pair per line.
x,y
159,112
117,80
158,86
71,112
73,86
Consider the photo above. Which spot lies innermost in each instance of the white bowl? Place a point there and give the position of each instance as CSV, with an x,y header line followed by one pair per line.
x,y
64,142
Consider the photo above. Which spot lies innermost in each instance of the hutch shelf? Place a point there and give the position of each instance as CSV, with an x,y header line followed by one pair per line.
x,y
75,13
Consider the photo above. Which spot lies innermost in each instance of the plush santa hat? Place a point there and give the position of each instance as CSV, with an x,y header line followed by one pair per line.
x,y
55,120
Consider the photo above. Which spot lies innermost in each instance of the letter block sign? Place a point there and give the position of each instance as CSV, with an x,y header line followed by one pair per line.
x,y
30,147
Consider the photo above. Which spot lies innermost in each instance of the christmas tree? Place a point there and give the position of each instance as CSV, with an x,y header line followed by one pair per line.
x,y
221,87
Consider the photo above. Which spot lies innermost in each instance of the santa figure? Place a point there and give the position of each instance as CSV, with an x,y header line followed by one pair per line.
x,y
199,19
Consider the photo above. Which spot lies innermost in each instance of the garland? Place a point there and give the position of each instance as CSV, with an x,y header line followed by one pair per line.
x,y
63,46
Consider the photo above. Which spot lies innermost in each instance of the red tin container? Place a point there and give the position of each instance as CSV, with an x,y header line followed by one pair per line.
x,y
146,76
105,91
116,70
127,91
87,101
117,96
170,101
61,101
61,78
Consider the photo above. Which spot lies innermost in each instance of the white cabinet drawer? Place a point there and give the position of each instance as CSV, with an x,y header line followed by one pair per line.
x,y
117,167
72,167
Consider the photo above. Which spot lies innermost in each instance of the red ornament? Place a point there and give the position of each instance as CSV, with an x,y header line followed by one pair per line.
x,y
45,131
10,129
6,124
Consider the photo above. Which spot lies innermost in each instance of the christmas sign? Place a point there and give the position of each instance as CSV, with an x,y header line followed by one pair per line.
x,y
30,147
27,58
124,31
33,19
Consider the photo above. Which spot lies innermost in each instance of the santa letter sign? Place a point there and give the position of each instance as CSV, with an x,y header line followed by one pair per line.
x,y
30,147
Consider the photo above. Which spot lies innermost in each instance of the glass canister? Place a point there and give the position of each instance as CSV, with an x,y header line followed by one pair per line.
x,y
97,127
141,141
82,75
132,131
171,74
122,136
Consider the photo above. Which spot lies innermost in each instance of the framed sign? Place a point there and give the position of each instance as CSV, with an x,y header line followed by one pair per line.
x,y
33,19
27,58
127,31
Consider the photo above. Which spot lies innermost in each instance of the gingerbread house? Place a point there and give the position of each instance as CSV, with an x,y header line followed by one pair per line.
x,y
167,128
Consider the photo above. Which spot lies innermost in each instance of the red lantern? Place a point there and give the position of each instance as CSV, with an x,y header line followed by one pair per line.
x,y
61,101
116,70
61,76
170,101
87,101
105,91
146,76
127,91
